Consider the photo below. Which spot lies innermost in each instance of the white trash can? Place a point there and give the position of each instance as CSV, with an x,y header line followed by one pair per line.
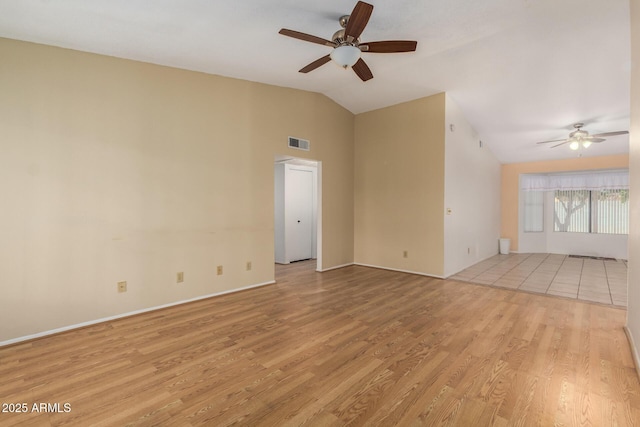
x,y
504,246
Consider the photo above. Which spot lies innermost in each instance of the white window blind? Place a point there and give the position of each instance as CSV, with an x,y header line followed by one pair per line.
x,y
584,202
533,211
610,211
571,211
583,211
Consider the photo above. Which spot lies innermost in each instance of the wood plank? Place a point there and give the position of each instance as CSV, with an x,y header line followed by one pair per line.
x,y
357,346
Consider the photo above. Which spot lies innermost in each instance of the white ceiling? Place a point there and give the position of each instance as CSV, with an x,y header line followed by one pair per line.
x,y
521,70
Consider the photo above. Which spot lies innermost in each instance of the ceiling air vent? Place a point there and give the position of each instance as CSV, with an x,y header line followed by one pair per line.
x,y
297,143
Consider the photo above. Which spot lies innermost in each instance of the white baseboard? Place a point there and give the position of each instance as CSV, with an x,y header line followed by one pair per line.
x,y
399,270
120,316
335,267
634,351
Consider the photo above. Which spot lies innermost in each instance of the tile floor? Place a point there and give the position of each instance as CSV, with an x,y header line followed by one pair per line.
x,y
595,280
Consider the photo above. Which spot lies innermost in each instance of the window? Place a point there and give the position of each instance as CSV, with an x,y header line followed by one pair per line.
x,y
591,211
533,211
610,212
571,211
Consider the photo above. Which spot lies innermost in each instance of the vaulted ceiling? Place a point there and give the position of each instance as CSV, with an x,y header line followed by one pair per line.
x,y
522,71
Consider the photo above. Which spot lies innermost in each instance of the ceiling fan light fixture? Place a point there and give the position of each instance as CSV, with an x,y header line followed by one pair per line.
x,y
581,137
345,55
347,46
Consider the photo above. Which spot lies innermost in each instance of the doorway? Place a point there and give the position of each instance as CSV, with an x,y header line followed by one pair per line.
x,y
297,210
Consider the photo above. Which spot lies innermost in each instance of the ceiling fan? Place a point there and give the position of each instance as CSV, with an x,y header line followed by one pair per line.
x,y
347,46
581,137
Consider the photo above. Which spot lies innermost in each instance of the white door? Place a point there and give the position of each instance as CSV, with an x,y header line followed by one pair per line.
x,y
299,213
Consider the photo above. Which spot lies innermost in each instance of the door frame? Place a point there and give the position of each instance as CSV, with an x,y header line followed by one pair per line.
x,y
318,185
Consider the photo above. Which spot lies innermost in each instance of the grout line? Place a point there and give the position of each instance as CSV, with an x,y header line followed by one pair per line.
x,y
490,267
527,257
513,268
498,263
532,271
580,281
606,275
555,275
505,273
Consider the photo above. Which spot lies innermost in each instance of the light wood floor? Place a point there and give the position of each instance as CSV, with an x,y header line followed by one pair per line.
x,y
353,346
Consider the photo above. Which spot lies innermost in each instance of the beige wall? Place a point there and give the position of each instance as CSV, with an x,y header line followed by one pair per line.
x,y
633,309
117,170
399,186
510,179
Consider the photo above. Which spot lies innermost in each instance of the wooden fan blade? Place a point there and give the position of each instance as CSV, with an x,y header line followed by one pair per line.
x,y
362,70
553,140
315,64
620,132
389,46
358,20
306,37
562,143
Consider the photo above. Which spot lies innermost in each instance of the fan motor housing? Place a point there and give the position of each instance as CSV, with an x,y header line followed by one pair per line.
x,y
339,39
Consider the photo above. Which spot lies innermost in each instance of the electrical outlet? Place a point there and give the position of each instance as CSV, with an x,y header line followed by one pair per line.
x,y
405,254
219,270
122,286
248,265
180,277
